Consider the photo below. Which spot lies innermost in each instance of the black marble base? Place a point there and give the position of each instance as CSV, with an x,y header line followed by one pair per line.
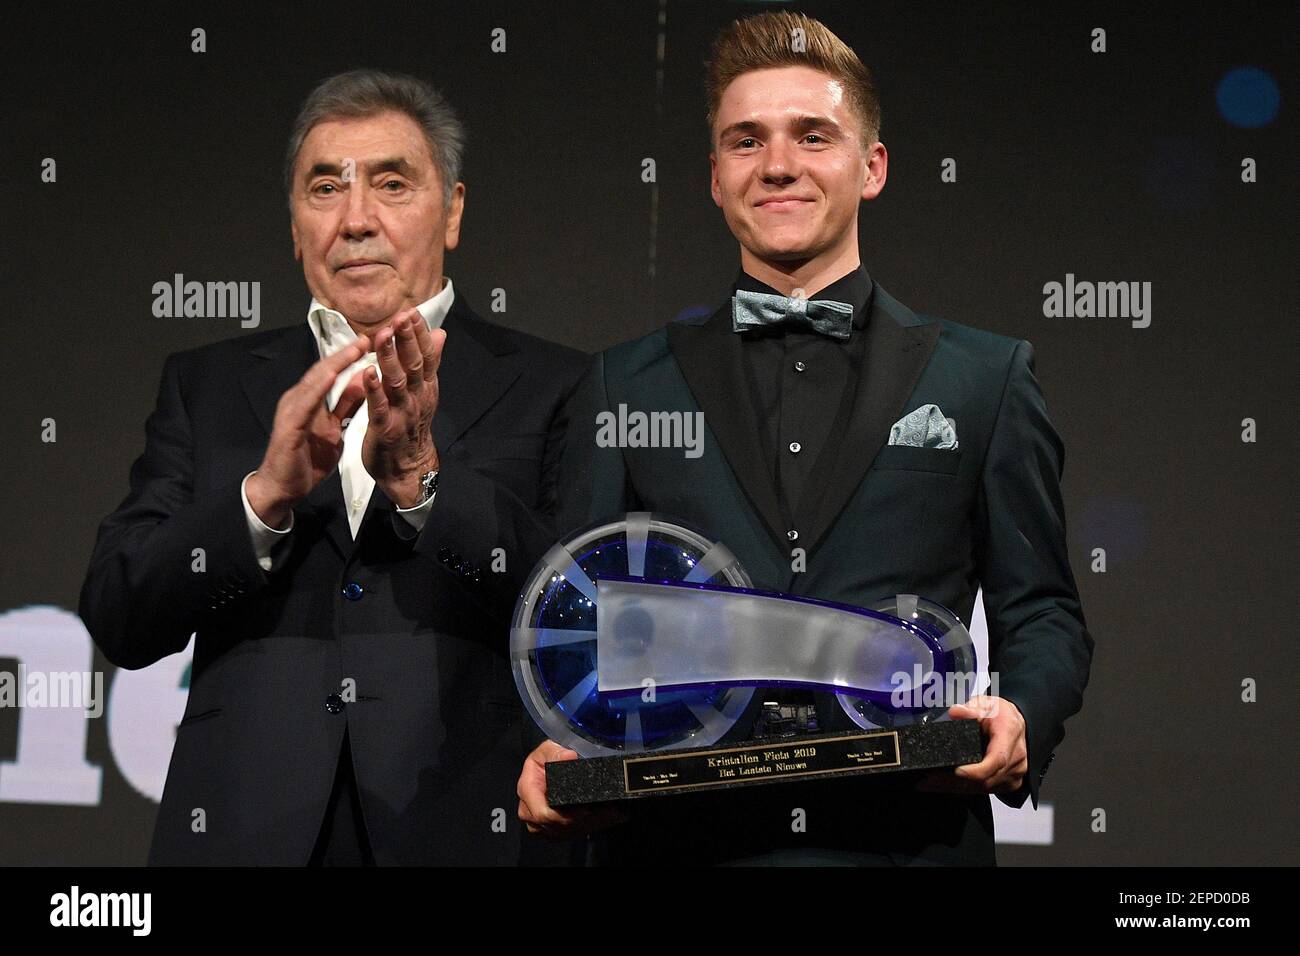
x,y
773,760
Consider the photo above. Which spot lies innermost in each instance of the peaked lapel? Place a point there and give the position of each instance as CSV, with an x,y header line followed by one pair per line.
x,y
899,345
709,356
471,379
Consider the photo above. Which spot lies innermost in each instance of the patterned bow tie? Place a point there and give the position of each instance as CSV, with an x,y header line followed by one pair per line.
x,y
752,310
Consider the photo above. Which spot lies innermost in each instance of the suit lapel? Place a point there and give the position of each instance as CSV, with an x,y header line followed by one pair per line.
x,y
899,346
709,356
471,380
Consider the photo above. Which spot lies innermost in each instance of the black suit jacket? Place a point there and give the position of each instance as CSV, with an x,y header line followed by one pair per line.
x,y
436,728
890,520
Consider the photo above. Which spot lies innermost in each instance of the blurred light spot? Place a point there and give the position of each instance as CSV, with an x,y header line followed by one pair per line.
x,y
1248,97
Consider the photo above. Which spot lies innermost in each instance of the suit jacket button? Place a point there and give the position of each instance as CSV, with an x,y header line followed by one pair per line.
x,y
334,703
353,591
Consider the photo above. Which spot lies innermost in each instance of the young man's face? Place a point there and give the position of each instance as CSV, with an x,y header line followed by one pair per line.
x,y
391,213
789,167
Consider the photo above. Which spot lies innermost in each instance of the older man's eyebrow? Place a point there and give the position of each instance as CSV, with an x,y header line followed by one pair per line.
x,y
388,164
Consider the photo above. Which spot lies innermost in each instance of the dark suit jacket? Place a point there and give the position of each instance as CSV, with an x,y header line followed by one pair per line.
x,y
891,520
437,732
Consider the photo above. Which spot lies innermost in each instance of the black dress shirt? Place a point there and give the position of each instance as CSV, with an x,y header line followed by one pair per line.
x,y
803,384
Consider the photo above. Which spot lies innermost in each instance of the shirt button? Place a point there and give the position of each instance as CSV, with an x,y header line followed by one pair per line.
x,y
353,591
799,366
796,447
334,703
792,535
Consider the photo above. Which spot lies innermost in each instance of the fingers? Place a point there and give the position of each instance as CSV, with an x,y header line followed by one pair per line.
x,y
432,350
533,808
353,394
1005,755
534,811
305,398
979,708
399,353
427,349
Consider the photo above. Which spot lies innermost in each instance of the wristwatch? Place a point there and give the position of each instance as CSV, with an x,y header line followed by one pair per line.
x,y
428,484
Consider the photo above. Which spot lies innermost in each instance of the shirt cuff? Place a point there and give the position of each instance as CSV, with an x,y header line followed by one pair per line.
x,y
265,538
417,516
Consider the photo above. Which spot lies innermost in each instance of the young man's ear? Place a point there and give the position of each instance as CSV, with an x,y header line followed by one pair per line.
x,y
714,191
877,163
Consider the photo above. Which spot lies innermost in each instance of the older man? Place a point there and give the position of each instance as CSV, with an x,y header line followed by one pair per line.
x,y
342,512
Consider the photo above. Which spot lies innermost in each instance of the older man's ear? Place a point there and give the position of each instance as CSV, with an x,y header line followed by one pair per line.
x,y
451,235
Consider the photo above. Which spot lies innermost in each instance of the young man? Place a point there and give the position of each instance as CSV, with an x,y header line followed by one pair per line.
x,y
800,399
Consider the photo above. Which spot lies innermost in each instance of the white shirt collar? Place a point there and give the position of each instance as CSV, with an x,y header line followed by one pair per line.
x,y
332,333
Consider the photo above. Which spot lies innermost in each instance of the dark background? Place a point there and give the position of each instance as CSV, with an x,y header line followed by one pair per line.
x,y
1115,167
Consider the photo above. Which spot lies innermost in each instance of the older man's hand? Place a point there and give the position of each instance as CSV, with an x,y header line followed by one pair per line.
x,y
398,447
1006,755
538,815
306,438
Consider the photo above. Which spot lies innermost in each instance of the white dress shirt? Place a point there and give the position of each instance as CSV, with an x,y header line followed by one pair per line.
x,y
332,334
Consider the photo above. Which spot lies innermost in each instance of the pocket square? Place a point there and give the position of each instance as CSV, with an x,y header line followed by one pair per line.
x,y
925,427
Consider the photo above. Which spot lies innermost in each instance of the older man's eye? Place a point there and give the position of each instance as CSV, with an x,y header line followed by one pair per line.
x,y
394,182
319,189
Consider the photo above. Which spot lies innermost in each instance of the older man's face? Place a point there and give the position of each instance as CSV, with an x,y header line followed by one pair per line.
x,y
370,224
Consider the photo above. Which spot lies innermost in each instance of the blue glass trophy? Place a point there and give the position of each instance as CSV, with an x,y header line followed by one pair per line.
x,y
642,645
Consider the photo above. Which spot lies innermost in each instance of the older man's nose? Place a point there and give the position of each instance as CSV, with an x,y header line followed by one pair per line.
x,y
358,215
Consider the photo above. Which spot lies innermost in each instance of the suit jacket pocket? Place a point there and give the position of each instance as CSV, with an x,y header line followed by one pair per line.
x,y
201,715
910,458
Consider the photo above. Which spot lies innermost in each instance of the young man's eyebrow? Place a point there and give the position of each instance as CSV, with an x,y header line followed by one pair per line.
x,y
805,123
801,124
744,126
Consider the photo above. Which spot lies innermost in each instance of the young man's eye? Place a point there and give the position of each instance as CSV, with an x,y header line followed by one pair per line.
x,y
747,143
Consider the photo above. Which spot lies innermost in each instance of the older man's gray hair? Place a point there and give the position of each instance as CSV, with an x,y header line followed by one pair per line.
x,y
362,93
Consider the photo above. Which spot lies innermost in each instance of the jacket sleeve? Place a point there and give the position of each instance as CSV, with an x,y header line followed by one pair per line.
x,y
595,483
472,516
1039,644
162,561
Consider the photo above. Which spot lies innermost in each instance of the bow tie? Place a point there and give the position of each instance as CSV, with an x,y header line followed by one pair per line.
x,y
753,310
